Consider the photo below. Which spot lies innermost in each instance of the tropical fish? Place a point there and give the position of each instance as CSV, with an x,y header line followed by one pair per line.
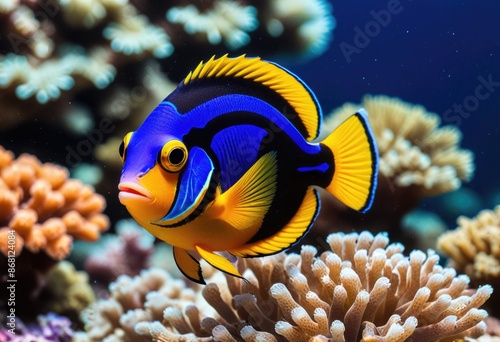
x,y
226,163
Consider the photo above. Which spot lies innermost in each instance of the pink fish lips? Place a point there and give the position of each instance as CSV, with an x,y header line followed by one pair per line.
x,y
133,191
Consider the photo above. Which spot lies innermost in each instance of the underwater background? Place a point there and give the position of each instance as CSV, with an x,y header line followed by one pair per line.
x,y
112,61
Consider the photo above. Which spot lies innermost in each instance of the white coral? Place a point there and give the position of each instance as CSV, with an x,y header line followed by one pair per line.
x,y
134,35
227,21
46,82
313,19
94,66
14,68
7,6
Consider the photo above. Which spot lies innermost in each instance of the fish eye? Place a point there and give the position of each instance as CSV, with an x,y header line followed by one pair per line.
x,y
123,146
173,156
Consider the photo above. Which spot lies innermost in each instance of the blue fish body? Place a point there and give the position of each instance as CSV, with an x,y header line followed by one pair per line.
x,y
226,163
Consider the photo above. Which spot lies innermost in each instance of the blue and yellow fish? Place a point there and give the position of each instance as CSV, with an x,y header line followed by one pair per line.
x,y
226,164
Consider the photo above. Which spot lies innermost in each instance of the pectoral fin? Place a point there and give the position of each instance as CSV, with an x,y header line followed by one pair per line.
x,y
188,265
219,262
246,203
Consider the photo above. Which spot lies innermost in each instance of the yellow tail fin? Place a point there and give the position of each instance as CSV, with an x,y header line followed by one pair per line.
x,y
356,162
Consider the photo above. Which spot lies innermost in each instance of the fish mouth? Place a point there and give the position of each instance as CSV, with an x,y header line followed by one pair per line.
x,y
134,191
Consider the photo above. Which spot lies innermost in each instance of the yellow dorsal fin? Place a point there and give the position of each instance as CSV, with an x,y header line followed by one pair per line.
x,y
245,203
290,234
218,261
270,75
188,265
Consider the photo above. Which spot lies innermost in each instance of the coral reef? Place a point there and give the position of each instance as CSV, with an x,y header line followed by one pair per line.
x,y
45,208
41,212
49,328
59,59
418,159
66,291
362,288
55,50
414,151
132,300
112,256
474,248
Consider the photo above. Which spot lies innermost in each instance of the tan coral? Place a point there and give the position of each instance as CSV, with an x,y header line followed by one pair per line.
x,y
45,208
474,247
363,288
143,298
414,150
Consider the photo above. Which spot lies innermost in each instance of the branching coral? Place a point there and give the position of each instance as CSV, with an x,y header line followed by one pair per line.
x,y
126,253
41,212
142,298
45,208
363,288
474,247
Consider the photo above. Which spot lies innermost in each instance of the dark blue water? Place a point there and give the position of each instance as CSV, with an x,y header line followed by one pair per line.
x,y
433,53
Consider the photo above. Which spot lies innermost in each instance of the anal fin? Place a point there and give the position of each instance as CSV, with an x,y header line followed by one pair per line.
x,y
188,265
219,262
297,227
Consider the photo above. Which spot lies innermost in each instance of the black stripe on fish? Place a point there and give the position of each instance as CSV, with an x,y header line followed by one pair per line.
x,y
198,92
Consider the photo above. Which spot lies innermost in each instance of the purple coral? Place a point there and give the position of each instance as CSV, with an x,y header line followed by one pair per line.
x,y
49,328
126,253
